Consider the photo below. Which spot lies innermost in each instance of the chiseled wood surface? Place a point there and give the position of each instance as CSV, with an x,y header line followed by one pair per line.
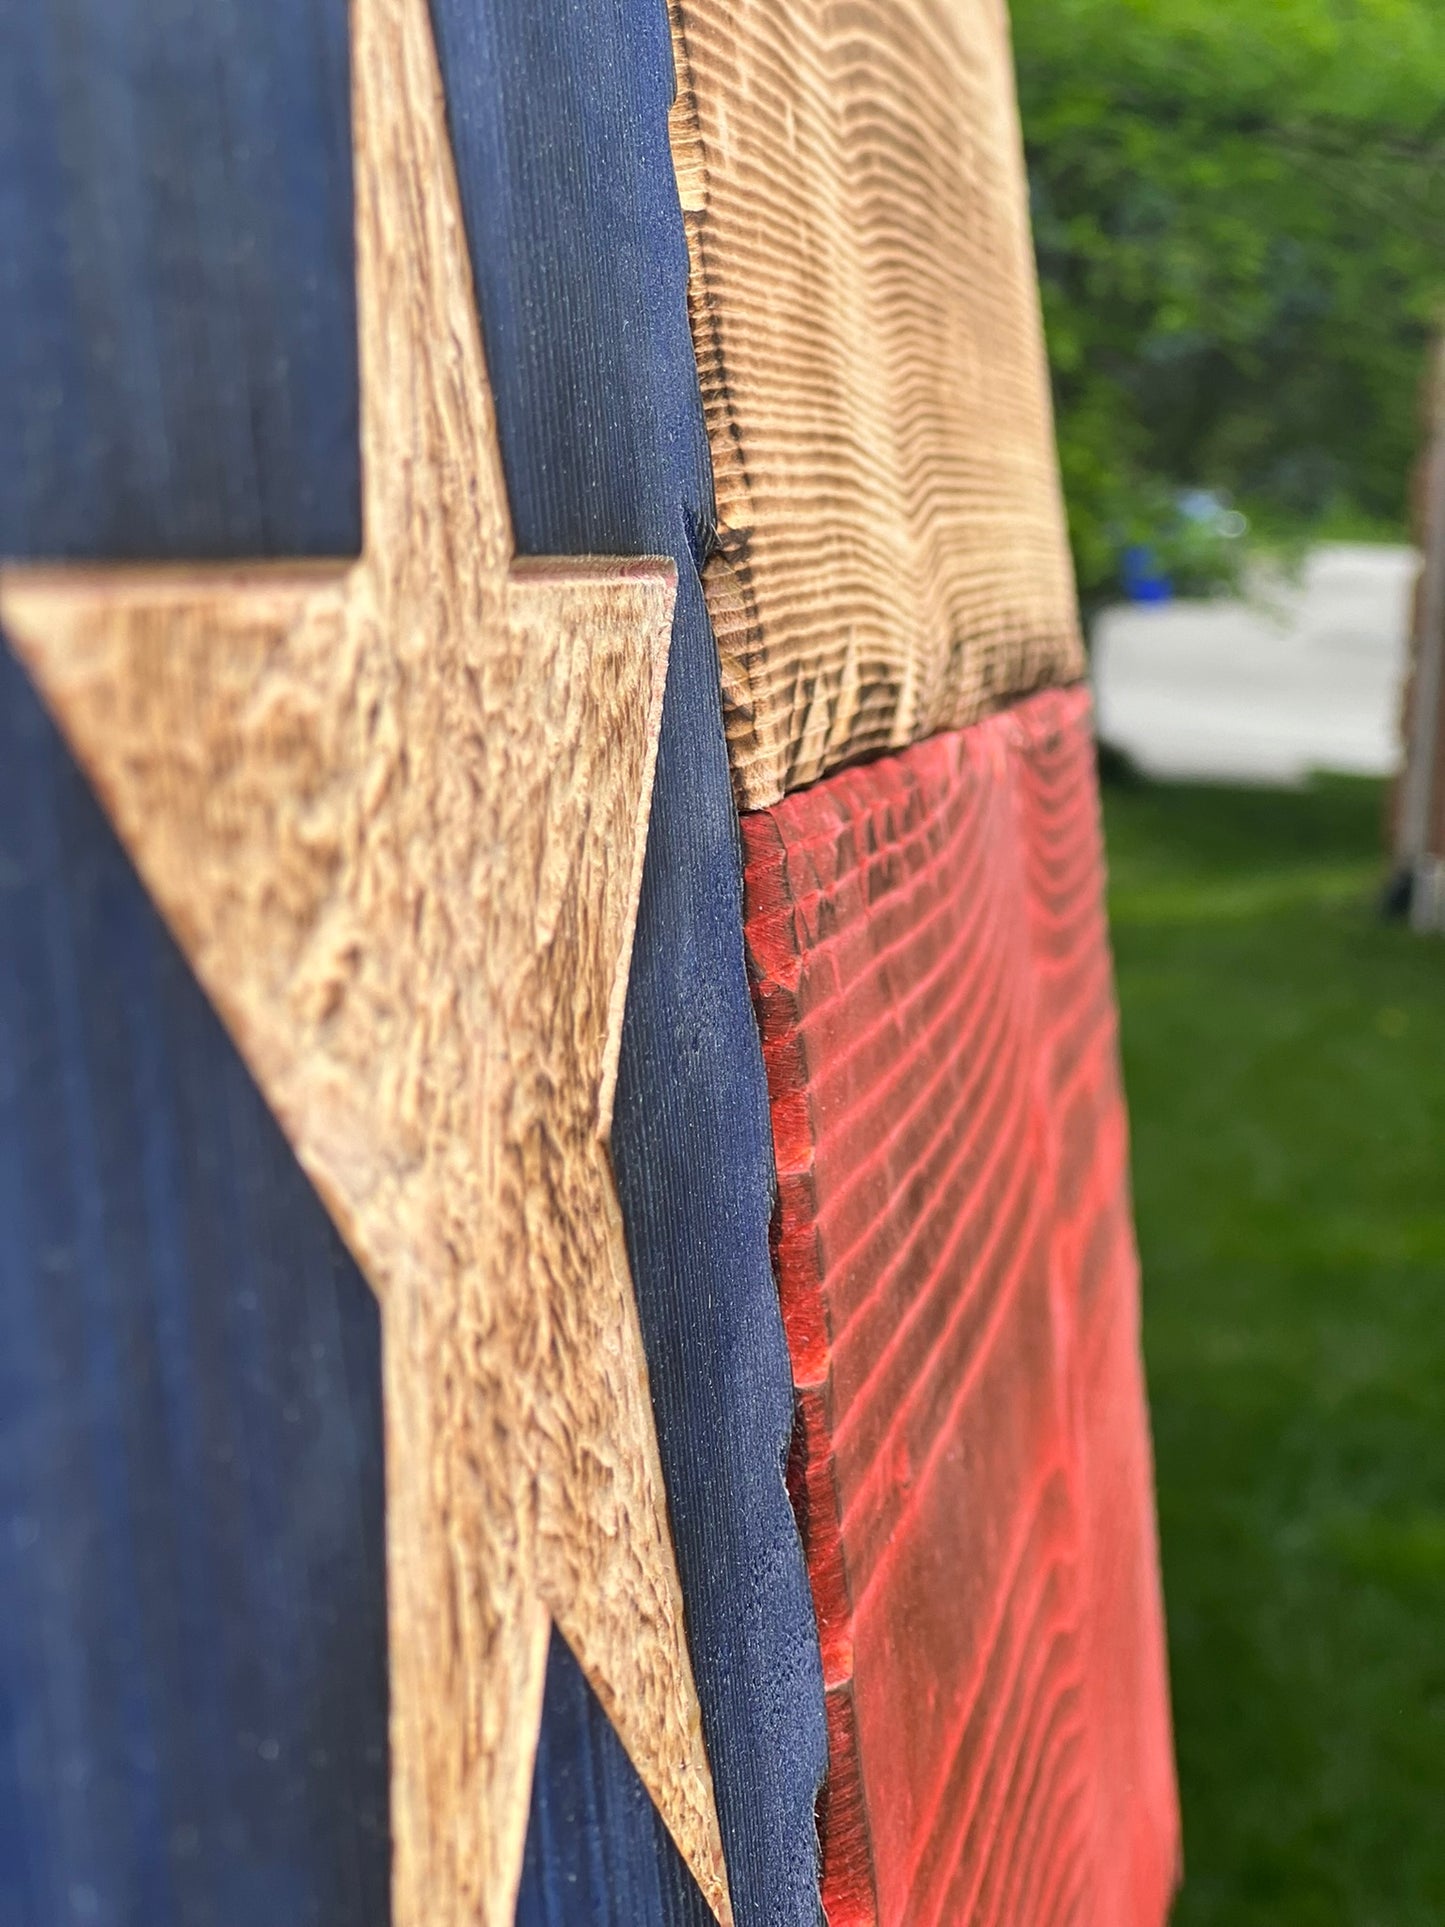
x,y
892,557
396,813
960,1292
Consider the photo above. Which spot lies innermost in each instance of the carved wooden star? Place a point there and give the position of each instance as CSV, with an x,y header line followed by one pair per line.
x,y
395,812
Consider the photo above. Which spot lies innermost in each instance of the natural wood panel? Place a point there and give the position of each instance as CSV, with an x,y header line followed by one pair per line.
x,y
892,557
396,814
959,1286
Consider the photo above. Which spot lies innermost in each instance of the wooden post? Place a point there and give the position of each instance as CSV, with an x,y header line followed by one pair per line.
x,y
1420,829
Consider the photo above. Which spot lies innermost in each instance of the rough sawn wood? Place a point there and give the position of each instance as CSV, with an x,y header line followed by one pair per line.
x,y
960,1290
892,555
396,814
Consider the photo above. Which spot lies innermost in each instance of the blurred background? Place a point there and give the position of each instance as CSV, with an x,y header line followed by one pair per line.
x,y
1240,224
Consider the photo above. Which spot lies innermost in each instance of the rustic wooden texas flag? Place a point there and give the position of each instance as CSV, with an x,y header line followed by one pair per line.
x,y
679,1148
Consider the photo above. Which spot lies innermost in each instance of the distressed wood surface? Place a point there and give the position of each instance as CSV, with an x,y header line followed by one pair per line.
x,y
892,557
178,378
177,302
597,1853
193,1635
396,815
560,126
960,1292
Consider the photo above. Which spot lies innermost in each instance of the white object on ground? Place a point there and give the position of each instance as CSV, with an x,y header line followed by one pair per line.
x,y
1304,676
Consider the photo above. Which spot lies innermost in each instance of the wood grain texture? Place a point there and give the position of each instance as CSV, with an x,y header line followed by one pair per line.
x,y
891,548
396,815
177,303
597,1853
559,123
960,1292
193,1632
178,378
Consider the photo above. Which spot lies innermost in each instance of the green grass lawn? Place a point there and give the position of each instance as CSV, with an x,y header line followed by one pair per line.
x,y
1285,1060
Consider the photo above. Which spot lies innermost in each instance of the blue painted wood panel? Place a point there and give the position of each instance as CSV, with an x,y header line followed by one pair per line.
x,y
193,1627
559,124
177,377
597,1853
177,300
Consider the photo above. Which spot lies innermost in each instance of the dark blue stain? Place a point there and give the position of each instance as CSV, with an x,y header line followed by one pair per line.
x,y
177,301
192,1639
192,1701
597,1853
559,125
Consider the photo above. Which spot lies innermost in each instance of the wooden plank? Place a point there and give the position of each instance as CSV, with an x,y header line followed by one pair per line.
x,y
193,1650
397,819
597,1853
891,551
177,307
559,122
177,365
959,1287
193,1640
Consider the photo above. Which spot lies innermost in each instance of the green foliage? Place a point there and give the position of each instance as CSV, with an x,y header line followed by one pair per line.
x,y
1284,1054
1240,221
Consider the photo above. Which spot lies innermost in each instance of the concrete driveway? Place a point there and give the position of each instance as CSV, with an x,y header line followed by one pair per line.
x,y
1298,677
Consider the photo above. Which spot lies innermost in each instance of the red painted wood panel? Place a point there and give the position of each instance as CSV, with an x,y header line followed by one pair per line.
x,y
955,1254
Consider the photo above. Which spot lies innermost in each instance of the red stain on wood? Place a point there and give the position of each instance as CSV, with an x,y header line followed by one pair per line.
x,y
955,1254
